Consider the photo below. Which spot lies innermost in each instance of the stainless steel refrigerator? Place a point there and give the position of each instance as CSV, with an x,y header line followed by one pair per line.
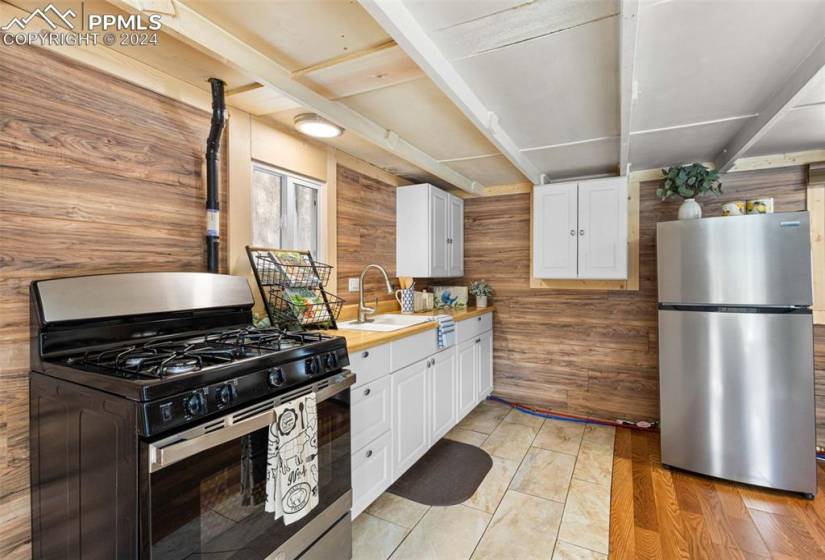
x,y
736,376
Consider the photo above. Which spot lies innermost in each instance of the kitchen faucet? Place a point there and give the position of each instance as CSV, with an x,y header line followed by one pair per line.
x,y
363,309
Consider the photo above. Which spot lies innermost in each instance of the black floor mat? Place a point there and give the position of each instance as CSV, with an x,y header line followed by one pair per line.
x,y
448,474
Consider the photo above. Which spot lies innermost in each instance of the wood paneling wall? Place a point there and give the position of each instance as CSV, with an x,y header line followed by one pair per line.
x,y
96,176
366,232
593,352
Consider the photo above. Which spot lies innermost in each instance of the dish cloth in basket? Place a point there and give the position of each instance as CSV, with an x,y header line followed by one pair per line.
x,y
292,460
446,331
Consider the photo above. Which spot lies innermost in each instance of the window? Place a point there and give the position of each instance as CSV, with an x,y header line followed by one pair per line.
x,y
285,210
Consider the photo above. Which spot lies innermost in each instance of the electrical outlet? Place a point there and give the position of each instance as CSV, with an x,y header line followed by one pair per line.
x,y
354,284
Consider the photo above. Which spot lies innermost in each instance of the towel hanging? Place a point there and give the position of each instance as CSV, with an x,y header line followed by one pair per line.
x,y
292,461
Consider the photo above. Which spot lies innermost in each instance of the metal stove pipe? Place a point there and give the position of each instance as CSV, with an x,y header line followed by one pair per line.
x,y
213,144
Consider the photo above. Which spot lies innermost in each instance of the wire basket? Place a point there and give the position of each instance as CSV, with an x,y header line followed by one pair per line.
x,y
290,307
285,270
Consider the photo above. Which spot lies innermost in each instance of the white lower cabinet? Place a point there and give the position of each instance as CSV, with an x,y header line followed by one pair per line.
x,y
371,472
407,396
370,411
410,432
485,365
467,373
442,382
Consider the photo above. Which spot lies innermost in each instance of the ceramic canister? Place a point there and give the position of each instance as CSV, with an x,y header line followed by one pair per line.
x,y
760,206
735,208
406,298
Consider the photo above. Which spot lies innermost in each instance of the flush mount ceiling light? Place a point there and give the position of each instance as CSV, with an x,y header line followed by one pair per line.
x,y
317,126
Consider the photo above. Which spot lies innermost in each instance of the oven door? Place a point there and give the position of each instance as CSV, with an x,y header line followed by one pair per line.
x,y
207,486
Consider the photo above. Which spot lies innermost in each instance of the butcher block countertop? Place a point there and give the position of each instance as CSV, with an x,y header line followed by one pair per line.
x,y
360,340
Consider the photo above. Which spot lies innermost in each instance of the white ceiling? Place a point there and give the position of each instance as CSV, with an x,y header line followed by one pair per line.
x,y
702,70
296,33
545,74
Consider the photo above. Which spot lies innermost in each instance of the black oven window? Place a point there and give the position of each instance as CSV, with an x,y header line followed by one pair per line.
x,y
211,505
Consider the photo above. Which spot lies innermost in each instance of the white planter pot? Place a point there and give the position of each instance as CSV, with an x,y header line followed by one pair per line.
x,y
481,301
690,210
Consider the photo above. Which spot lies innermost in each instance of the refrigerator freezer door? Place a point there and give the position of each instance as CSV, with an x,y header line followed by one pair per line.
x,y
738,260
737,396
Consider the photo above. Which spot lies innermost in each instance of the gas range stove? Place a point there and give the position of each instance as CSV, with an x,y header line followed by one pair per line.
x,y
184,361
153,396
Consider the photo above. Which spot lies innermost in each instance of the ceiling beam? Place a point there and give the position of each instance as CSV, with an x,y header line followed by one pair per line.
x,y
627,55
243,89
779,105
341,59
198,31
402,26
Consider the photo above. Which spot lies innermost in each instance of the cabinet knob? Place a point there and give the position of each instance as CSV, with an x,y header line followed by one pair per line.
x,y
369,453
367,392
581,232
365,354
478,340
573,233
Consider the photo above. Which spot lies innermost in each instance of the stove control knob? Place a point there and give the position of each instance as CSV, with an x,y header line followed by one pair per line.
x,y
313,365
195,405
275,377
225,394
331,360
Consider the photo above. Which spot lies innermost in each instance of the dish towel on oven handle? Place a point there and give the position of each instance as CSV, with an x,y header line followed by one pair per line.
x,y
292,460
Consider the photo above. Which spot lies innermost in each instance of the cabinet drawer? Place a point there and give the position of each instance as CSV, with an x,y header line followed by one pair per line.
x,y
412,349
468,328
370,364
370,416
371,473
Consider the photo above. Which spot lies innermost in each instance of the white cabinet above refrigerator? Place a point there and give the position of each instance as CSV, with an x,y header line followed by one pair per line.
x,y
580,229
429,233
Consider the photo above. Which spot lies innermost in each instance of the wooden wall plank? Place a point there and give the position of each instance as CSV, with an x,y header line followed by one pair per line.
x,y
98,175
366,232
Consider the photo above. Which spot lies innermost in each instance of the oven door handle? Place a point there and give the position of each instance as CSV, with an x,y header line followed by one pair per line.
x,y
181,446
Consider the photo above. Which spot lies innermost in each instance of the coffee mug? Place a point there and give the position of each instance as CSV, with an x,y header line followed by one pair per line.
x,y
406,299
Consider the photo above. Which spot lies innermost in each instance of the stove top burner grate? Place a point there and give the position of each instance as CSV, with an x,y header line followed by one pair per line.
x,y
166,357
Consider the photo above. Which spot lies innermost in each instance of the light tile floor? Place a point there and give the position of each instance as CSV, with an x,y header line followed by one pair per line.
x,y
547,496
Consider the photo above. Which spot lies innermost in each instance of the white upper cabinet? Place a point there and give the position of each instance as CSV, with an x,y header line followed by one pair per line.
x,y
580,229
455,240
429,239
603,228
555,223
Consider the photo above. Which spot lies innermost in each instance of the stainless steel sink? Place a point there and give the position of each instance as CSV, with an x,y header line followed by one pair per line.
x,y
386,323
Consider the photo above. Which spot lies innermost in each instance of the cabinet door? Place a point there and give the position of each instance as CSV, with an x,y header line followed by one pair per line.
x,y
603,228
467,370
439,224
410,434
371,473
485,365
554,231
442,386
455,239
369,412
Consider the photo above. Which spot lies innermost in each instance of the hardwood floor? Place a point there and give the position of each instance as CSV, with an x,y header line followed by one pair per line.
x,y
660,513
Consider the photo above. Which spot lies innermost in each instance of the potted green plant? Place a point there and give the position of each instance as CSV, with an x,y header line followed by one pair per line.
x,y
689,181
481,290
